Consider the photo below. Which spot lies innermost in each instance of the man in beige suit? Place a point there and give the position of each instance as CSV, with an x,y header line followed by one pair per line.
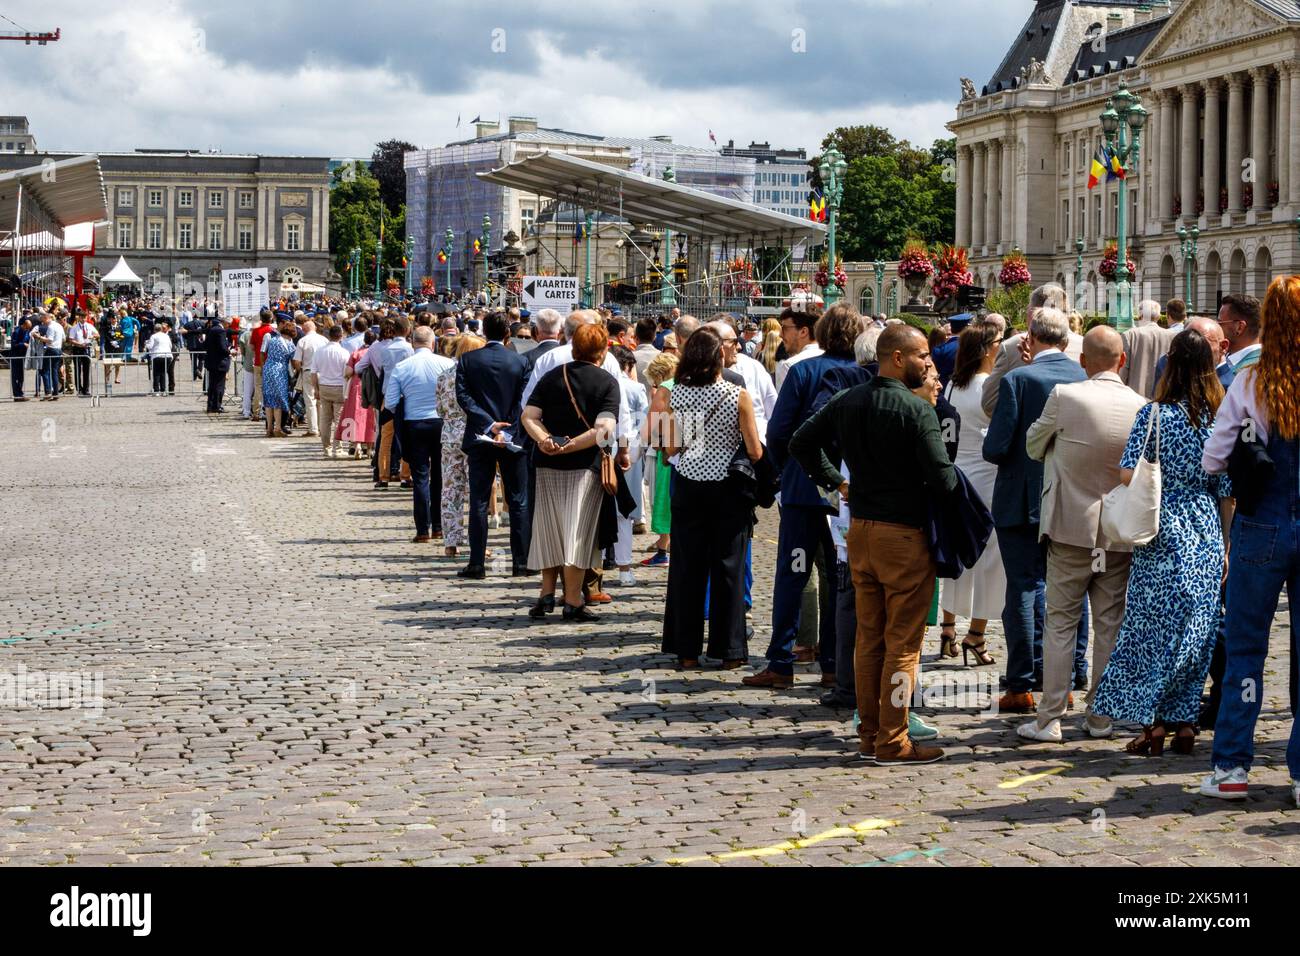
x,y
1015,350
1144,344
1080,437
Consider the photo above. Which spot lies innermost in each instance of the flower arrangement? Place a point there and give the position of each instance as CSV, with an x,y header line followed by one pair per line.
x,y
1274,192
427,286
822,278
915,262
1015,270
739,282
1110,263
1248,195
1178,206
952,266
1200,203
393,288
1223,200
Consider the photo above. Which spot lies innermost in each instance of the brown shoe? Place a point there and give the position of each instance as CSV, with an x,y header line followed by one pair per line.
x,y
913,754
737,664
828,680
1010,703
805,655
599,597
420,539
769,678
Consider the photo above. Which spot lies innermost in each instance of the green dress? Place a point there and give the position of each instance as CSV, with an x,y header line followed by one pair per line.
x,y
661,518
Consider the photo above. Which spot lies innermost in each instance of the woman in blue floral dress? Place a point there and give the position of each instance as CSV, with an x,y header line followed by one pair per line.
x,y
1162,656
275,379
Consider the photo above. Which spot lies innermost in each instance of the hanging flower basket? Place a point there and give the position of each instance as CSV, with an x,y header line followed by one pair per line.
x,y
822,278
915,262
1015,270
427,286
1110,263
393,288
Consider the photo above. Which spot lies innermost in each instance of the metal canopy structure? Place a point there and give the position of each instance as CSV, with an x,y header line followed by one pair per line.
x,y
67,192
639,199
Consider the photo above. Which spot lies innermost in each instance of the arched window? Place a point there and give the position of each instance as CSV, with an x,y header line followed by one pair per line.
x,y
214,283
1213,294
291,275
892,308
1167,283
1237,273
94,276
867,300
183,282
155,280
1263,271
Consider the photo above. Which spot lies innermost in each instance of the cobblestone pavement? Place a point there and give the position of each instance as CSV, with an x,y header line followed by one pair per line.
x,y
288,680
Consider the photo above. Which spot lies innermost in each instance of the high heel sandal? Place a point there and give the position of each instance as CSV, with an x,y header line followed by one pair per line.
x,y
982,657
1150,744
1184,739
948,641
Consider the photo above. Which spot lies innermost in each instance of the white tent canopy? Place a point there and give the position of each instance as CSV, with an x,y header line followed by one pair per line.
x,y
79,237
121,273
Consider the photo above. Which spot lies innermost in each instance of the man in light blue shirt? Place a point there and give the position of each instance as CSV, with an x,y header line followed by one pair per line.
x,y
414,384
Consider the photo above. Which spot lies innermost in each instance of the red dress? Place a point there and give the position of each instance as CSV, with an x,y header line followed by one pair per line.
x,y
357,423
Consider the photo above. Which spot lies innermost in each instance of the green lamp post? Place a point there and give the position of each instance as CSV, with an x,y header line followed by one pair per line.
x,y
832,169
1122,122
354,272
484,241
668,294
588,291
379,264
448,238
1079,246
410,259
879,266
1189,240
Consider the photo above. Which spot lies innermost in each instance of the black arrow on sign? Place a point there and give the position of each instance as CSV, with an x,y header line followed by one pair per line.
x,y
261,280
531,290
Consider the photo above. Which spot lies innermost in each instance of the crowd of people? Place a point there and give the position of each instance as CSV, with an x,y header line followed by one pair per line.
x,y
923,477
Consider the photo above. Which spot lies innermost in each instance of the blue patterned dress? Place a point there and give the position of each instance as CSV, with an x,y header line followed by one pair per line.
x,y
275,372
1162,655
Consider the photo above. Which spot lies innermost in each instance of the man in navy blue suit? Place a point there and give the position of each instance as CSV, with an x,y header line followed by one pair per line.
x,y
489,387
1022,394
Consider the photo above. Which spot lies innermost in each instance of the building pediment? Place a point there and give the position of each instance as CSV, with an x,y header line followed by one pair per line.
x,y
1205,23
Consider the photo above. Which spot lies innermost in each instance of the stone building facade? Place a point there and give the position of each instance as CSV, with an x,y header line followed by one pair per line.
x,y
1220,81
180,217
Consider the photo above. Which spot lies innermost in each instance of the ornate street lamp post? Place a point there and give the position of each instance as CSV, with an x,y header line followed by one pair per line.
x,y
448,238
1122,121
879,266
410,258
587,290
668,295
484,240
354,272
379,263
1188,240
1079,246
832,169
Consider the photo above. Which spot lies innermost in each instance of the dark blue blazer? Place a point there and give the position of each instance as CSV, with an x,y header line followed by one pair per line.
x,y
945,359
532,355
1022,394
489,386
794,406
1224,372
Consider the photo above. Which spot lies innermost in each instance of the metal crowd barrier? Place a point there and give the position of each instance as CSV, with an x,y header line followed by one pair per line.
x,y
114,376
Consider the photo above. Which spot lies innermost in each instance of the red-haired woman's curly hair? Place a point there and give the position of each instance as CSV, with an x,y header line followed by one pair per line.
x,y
1277,379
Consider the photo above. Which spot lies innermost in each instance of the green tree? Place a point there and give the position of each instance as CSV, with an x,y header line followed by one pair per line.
x,y
387,163
355,210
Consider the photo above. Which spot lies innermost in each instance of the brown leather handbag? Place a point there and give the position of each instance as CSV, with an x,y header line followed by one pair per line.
x,y
608,469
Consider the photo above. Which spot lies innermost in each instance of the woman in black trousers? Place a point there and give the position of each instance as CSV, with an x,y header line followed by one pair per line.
x,y
709,421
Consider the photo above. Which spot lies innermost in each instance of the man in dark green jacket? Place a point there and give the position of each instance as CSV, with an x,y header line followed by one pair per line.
x,y
890,442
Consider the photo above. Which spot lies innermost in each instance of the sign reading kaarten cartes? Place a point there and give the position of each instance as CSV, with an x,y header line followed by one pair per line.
x,y
245,292
550,292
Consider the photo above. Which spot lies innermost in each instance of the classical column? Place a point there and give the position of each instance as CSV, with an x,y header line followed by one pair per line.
x,y
1168,154
141,240
1259,134
1293,136
963,196
232,202
992,201
978,236
259,227
1285,93
1188,160
272,219
201,217
1007,228
325,221
1213,166
1236,140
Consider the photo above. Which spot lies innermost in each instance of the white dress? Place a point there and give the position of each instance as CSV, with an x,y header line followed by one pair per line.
x,y
981,592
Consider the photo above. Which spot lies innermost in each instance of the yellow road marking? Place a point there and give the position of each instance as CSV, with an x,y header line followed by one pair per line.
x,y
866,826
1021,781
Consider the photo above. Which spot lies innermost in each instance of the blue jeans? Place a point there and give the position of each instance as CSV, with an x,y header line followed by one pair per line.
x,y
50,370
422,450
1265,557
1025,560
803,532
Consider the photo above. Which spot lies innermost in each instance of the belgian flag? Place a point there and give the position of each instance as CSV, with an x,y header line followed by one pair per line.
x,y
1105,163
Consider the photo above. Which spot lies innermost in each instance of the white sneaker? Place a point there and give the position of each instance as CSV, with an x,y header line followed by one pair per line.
x,y
328,453
1099,731
627,579
1226,784
1051,734
1295,792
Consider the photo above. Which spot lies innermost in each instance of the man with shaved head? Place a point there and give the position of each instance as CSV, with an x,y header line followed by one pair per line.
x,y
1080,438
1213,333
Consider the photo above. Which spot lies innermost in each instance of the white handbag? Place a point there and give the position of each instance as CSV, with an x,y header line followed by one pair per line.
x,y
1130,514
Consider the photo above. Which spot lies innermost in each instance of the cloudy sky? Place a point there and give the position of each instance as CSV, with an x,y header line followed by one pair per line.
x,y
332,78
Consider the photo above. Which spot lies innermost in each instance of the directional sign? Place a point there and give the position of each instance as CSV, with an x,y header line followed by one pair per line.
x,y
550,292
245,292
